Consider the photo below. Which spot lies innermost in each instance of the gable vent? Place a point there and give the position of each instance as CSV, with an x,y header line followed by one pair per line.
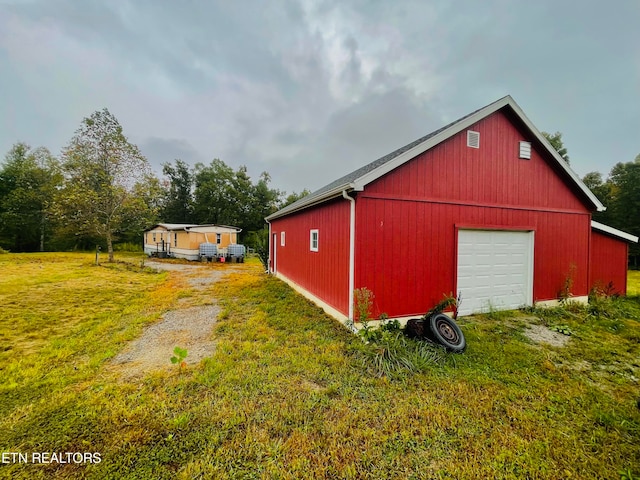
x,y
473,139
525,150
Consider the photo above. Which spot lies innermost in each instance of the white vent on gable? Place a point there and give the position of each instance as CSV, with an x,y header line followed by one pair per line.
x,y
473,139
525,150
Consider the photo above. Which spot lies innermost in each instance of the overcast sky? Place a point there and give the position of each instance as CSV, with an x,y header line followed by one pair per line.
x,y
310,90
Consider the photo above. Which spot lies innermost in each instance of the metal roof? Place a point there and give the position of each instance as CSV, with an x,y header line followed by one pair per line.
x,y
172,226
189,226
358,179
613,231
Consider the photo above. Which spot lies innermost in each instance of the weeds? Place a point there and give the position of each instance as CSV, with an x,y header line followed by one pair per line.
x,y
627,474
394,355
565,292
449,301
362,304
563,329
495,313
179,354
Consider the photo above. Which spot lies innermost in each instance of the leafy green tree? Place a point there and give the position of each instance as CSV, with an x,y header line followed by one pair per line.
x,y
28,180
142,209
624,210
603,190
178,206
228,197
213,195
555,139
102,169
242,189
265,202
294,197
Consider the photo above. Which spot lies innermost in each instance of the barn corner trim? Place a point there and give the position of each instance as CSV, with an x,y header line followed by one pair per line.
x,y
352,250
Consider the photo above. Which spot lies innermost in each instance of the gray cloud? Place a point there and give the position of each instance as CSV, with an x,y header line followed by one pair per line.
x,y
165,150
312,89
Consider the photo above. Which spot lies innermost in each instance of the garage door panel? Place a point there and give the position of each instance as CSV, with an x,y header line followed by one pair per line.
x,y
495,269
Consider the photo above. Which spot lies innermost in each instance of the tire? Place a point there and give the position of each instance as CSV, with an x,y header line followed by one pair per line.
x,y
446,332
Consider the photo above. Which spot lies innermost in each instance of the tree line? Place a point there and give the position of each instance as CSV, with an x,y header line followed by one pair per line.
x,y
101,191
619,192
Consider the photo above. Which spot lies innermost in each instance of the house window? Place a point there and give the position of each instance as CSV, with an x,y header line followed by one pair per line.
x,y
473,139
175,239
154,236
218,238
313,240
282,239
525,150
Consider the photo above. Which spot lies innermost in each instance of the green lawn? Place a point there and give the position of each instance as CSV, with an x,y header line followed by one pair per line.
x,y
289,393
633,282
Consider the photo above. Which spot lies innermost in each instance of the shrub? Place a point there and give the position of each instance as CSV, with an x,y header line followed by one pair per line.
x,y
127,247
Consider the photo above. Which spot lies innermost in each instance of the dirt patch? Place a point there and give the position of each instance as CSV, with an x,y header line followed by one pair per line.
x,y
188,328
184,327
541,334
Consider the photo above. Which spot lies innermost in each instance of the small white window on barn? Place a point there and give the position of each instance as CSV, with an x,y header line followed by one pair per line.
x,y
473,139
313,240
218,238
282,239
525,150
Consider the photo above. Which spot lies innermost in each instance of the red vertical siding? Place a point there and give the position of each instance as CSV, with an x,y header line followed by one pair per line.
x,y
490,175
608,262
410,268
406,220
406,224
324,273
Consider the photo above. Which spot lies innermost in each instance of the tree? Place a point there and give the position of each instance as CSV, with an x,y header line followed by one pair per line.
x,y
555,140
102,168
142,208
625,192
28,180
178,206
265,202
294,197
242,190
603,191
214,197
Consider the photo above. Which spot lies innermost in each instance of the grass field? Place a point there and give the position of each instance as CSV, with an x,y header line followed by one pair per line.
x,y
289,393
633,282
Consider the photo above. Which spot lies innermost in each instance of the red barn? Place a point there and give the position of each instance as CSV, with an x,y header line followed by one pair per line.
x,y
609,252
484,207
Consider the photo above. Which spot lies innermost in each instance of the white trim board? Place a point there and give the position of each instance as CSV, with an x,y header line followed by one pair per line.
x,y
601,227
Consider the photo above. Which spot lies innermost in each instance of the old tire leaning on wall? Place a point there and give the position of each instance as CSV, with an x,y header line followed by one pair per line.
x,y
446,332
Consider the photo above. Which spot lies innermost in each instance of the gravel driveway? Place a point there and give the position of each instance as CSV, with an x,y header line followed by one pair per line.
x,y
188,327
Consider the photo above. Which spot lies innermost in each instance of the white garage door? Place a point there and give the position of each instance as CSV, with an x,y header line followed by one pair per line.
x,y
495,270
